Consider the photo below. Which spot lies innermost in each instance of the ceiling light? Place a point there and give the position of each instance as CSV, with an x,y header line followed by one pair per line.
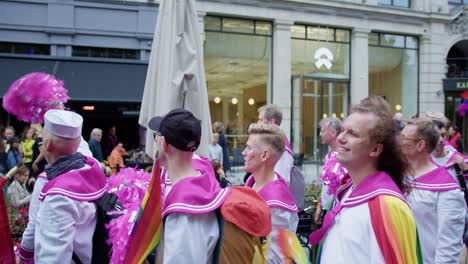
x,y
88,107
398,107
234,101
217,100
251,101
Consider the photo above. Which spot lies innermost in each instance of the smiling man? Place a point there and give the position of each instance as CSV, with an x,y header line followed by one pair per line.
x,y
370,221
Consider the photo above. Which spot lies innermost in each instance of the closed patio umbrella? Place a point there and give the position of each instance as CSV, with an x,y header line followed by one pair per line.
x,y
176,74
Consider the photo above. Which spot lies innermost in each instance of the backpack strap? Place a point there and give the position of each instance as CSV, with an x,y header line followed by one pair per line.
x,y
217,251
462,182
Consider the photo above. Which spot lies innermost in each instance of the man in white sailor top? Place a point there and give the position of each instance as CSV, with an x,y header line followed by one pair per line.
x,y
263,150
66,215
435,197
190,225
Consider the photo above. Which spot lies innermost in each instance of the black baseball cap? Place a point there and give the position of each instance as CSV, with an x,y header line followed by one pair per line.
x,y
180,128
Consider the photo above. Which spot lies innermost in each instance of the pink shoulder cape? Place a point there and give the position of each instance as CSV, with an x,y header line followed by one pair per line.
x,y
276,194
288,147
437,180
195,195
200,163
374,185
85,184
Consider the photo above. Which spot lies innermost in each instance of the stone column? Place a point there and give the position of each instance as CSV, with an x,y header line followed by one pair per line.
x,y
281,74
201,26
359,64
432,63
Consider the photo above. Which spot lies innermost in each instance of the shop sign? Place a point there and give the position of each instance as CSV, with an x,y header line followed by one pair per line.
x,y
456,84
323,57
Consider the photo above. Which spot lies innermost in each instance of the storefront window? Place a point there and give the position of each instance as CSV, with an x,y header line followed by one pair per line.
x,y
320,84
393,71
237,56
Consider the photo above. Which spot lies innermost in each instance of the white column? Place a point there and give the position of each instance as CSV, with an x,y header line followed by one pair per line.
x,y
359,64
281,77
432,63
201,26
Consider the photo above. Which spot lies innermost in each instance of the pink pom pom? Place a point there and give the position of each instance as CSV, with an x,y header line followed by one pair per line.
x,y
333,173
463,108
29,97
130,186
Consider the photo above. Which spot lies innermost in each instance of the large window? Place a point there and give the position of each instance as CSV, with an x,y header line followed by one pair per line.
x,y
237,56
397,3
24,48
393,70
320,83
130,54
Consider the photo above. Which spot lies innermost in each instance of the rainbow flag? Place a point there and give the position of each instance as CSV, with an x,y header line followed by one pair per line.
x,y
146,233
290,247
395,230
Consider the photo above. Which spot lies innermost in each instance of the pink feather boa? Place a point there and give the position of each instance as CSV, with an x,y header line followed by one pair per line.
x,y
332,173
130,186
29,97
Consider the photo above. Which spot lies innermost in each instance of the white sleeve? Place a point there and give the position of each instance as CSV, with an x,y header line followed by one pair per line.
x,y
55,231
451,211
27,241
190,238
284,165
84,148
285,219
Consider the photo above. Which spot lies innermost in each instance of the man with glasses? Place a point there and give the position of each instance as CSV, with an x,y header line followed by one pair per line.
x,y
200,164
435,199
191,229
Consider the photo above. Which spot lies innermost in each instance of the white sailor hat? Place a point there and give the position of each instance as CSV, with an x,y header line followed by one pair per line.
x,y
63,123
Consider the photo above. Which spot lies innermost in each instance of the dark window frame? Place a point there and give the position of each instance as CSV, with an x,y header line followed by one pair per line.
x,y
392,3
379,44
321,40
126,54
458,2
254,21
33,49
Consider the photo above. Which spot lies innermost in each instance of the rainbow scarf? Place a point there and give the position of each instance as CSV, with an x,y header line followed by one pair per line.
x,y
147,230
391,218
397,236
290,247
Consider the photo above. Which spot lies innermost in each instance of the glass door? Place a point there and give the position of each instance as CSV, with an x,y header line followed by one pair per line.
x,y
312,100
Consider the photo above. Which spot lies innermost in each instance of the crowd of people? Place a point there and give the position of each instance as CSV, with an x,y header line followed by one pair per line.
x,y
393,190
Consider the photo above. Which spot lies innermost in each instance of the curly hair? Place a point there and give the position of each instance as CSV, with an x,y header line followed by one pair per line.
x,y
391,160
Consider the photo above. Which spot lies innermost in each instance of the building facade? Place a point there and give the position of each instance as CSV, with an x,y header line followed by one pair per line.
x,y
313,58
